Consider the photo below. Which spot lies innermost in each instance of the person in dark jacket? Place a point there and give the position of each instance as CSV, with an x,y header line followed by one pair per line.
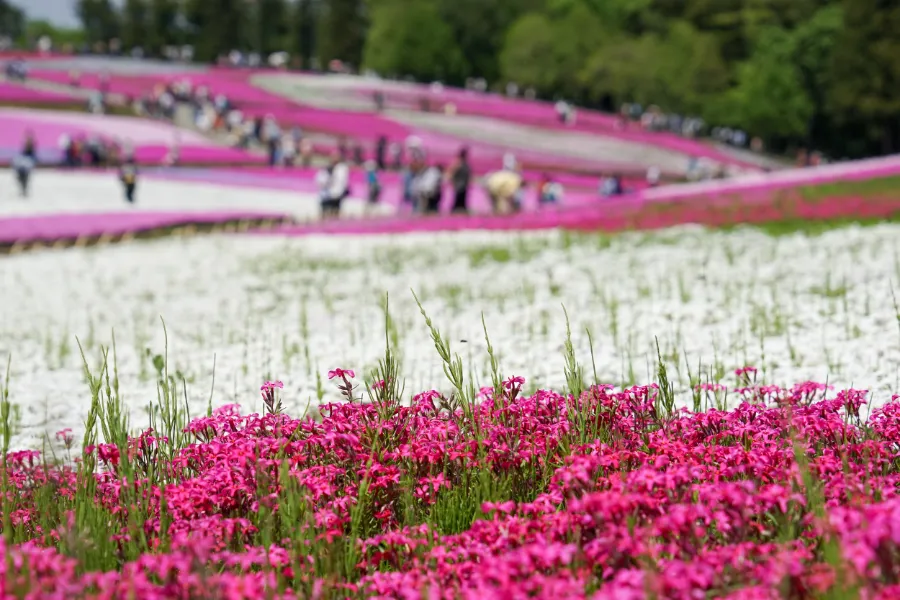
x,y
128,173
25,162
460,179
380,153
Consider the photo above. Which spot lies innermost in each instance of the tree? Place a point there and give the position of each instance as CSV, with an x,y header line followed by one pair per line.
x,y
12,20
480,28
219,26
549,52
272,26
682,71
412,39
770,99
303,30
164,29
342,31
135,24
865,77
99,20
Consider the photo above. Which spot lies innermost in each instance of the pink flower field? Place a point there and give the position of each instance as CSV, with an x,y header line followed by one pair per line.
x,y
151,140
590,493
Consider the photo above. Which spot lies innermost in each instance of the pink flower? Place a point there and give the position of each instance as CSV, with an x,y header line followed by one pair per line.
x,y
513,382
342,373
270,386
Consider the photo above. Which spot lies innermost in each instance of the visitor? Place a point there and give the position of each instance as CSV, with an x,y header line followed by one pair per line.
x,y
549,191
128,173
411,174
23,165
306,152
396,152
374,186
611,186
426,187
29,147
460,177
335,186
380,150
653,176
505,191
358,155
288,150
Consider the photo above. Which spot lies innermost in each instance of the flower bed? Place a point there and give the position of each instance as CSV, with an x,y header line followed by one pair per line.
x,y
11,93
593,493
71,227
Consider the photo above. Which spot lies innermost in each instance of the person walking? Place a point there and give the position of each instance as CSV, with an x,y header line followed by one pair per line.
x,y
380,153
128,173
374,191
460,177
335,186
25,162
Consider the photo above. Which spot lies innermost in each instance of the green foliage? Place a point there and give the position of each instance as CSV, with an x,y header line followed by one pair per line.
x,y
770,98
866,70
548,52
12,20
34,30
682,70
342,31
135,23
479,28
219,26
410,39
99,19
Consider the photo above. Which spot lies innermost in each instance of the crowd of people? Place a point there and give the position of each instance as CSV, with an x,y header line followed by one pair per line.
x,y
424,184
78,151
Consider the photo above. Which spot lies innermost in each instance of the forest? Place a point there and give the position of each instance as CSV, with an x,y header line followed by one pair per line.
x,y
817,74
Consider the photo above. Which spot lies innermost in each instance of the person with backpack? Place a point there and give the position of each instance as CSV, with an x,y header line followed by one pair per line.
x,y
460,178
128,173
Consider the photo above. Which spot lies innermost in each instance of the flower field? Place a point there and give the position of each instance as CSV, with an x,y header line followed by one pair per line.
x,y
490,493
552,415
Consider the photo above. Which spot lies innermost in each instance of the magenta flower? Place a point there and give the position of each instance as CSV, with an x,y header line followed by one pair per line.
x,y
513,382
342,373
270,386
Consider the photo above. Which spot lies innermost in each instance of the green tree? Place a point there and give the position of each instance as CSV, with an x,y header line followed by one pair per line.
x,y
12,20
303,29
272,26
136,24
164,27
480,27
99,19
866,72
412,39
342,30
770,99
219,26
34,30
549,53
682,71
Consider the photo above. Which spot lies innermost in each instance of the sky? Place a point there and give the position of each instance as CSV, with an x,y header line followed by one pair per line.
x,y
59,12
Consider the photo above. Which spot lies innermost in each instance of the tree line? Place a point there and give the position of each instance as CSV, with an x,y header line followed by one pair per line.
x,y
821,74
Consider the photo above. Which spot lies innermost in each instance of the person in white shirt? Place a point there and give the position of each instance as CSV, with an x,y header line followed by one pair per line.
x,y
427,188
334,183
